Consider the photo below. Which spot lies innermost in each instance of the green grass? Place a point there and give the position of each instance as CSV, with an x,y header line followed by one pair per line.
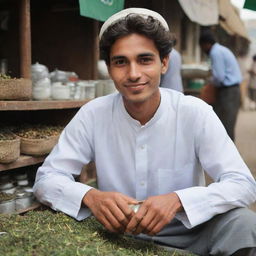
x,y
39,233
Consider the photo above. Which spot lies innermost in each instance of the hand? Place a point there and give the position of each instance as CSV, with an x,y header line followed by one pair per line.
x,y
110,208
154,214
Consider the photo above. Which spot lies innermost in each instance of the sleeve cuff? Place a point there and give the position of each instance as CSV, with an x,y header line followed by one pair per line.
x,y
71,201
196,211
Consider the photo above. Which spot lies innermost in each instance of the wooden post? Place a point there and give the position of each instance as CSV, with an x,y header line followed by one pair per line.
x,y
25,39
95,49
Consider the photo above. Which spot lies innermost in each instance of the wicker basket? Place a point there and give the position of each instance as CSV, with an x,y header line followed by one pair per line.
x,y
15,89
9,150
38,147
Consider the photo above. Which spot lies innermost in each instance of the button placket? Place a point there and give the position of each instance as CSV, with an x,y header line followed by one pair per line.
x,y
141,165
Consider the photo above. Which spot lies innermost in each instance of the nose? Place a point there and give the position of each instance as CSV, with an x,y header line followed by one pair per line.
x,y
134,72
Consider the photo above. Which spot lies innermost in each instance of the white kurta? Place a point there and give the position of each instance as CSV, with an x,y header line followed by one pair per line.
x,y
163,156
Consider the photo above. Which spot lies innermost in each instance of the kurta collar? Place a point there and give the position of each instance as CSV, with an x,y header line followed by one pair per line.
x,y
135,123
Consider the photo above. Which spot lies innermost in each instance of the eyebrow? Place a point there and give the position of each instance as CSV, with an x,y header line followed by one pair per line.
x,y
146,54
117,57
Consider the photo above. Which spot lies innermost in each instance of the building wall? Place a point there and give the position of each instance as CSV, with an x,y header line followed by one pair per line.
x,y
173,14
10,37
63,39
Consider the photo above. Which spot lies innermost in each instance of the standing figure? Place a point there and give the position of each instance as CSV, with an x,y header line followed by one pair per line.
x,y
172,77
252,82
226,77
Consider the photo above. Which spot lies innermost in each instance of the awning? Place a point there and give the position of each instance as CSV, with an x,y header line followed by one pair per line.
x,y
212,12
203,12
250,4
230,19
100,9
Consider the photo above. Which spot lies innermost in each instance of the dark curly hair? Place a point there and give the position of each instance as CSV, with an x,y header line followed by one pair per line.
x,y
134,23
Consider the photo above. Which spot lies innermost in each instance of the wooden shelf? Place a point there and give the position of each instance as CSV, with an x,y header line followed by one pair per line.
x,y
34,206
22,161
40,105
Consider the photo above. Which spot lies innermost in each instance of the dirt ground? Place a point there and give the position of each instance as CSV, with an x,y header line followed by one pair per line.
x,y
246,140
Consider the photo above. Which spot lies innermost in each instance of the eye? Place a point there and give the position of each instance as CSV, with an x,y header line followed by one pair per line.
x,y
146,60
119,62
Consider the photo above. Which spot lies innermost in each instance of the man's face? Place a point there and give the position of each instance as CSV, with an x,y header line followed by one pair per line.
x,y
136,68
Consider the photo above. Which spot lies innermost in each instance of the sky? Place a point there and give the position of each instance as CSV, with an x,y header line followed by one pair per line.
x,y
245,13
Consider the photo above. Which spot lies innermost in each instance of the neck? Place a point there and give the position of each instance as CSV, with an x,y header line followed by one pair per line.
x,y
143,111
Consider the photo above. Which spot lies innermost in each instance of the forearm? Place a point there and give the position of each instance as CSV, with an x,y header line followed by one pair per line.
x,y
62,193
202,203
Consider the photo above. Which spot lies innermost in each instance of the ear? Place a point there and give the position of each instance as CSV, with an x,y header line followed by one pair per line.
x,y
109,70
165,64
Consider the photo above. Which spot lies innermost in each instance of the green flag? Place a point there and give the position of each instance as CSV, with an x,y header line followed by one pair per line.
x,y
250,4
100,9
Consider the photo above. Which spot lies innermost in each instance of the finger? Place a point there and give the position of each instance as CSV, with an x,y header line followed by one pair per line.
x,y
159,225
146,221
132,225
136,219
119,214
114,221
153,221
149,228
104,221
157,228
140,227
126,211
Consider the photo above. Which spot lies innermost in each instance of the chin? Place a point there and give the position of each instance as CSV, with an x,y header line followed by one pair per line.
x,y
136,98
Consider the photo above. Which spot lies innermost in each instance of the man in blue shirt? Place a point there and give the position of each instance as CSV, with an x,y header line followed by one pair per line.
x,y
226,78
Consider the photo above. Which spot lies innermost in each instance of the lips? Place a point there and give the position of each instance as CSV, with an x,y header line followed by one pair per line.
x,y
133,85
135,88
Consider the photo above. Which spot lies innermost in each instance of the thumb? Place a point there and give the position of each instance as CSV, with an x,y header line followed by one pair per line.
x,y
130,200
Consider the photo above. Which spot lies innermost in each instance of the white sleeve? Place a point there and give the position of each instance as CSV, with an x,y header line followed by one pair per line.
x,y
234,185
55,183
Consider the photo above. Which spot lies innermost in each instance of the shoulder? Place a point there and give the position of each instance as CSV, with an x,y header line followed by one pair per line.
x,y
216,49
185,105
190,113
179,100
220,49
190,105
174,54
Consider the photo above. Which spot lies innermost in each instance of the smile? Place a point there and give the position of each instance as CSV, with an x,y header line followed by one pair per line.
x,y
135,85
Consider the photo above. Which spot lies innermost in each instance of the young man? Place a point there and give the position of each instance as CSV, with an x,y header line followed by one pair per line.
x,y
226,77
150,145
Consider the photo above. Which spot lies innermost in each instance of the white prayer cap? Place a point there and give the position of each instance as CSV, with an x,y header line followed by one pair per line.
x,y
140,11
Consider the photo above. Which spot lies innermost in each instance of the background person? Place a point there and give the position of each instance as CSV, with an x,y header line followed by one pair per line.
x,y
172,78
252,83
226,77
